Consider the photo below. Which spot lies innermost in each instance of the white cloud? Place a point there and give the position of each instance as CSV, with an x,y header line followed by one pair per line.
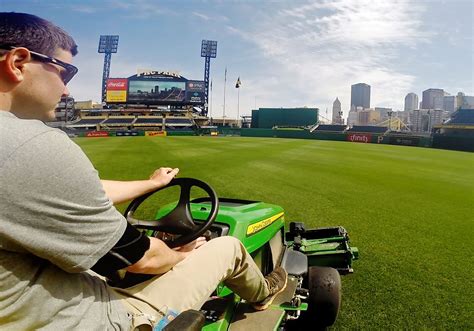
x,y
321,48
202,16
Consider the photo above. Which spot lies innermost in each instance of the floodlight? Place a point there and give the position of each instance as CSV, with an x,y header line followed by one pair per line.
x,y
209,48
108,44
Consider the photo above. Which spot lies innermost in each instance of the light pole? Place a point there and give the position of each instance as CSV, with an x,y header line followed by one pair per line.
x,y
210,105
237,86
107,45
223,110
208,51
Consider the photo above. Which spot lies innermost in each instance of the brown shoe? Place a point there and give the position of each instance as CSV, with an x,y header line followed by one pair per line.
x,y
276,281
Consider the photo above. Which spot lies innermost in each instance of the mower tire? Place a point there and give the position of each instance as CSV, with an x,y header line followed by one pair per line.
x,y
324,300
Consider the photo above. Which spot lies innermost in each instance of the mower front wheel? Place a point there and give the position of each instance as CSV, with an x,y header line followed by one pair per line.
x,y
324,285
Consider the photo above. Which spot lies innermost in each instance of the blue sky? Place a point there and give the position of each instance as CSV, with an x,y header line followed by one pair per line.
x,y
287,53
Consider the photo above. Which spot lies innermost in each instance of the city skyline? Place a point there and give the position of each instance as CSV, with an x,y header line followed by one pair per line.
x,y
286,54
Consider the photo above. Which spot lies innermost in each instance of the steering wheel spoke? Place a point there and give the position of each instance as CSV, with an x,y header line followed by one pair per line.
x,y
179,222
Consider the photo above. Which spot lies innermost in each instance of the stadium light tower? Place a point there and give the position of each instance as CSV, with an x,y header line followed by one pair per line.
x,y
208,51
107,45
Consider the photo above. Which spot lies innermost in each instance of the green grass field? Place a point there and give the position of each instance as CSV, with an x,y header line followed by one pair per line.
x,y
410,211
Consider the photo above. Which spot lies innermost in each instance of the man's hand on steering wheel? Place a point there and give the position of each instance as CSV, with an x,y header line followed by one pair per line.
x,y
163,176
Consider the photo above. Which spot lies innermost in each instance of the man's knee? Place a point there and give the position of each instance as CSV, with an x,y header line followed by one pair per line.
x,y
226,241
226,245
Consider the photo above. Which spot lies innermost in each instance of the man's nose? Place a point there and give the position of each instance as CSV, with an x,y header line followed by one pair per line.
x,y
66,91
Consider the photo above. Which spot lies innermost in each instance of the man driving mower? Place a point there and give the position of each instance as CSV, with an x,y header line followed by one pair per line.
x,y
58,221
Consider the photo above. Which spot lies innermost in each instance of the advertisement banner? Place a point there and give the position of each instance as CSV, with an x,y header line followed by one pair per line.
x,y
359,137
195,92
97,134
117,90
406,141
117,84
116,96
155,133
126,133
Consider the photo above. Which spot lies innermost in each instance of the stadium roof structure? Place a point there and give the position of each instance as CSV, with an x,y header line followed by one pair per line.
x,y
463,117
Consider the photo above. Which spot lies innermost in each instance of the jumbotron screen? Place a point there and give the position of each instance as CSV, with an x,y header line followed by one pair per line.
x,y
155,88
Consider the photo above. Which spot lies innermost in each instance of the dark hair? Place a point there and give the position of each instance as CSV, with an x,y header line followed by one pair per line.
x,y
34,33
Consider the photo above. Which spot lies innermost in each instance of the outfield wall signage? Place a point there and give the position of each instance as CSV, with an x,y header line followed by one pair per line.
x,y
117,90
406,141
155,133
359,137
97,134
126,133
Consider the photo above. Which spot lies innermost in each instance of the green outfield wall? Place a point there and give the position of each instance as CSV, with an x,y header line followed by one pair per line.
x,y
180,133
374,138
266,118
456,142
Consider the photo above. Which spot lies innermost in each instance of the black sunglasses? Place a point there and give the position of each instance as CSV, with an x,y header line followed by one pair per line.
x,y
69,70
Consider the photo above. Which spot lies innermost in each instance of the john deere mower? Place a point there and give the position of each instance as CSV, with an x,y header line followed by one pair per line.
x,y
313,258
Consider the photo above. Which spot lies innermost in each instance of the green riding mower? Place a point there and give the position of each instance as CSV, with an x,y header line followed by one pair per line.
x,y
313,258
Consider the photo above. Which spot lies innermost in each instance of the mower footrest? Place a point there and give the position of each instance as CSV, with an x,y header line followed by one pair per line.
x,y
247,318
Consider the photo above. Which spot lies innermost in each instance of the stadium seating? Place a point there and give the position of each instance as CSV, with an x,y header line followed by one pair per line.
x,y
330,128
462,117
86,123
173,123
179,121
368,129
118,121
148,121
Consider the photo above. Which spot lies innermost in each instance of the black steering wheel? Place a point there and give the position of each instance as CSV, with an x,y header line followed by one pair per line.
x,y
179,221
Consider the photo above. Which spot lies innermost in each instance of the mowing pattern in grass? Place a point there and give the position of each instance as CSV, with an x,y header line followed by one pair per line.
x,y
409,211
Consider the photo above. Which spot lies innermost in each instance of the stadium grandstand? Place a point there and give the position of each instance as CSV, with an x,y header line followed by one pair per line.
x,y
329,128
149,123
367,129
462,117
457,132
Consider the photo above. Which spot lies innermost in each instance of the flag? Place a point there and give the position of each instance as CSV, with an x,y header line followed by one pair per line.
x,y
238,83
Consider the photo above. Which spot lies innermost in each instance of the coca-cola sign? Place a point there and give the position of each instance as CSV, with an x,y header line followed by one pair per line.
x,y
117,84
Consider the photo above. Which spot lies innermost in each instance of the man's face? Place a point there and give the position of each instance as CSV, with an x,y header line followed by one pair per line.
x,y
41,89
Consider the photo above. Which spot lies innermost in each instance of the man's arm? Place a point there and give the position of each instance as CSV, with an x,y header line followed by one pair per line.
x,y
122,191
159,258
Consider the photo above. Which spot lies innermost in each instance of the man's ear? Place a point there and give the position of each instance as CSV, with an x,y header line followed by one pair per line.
x,y
13,65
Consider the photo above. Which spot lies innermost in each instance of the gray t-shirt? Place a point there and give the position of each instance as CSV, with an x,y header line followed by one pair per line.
x,y
55,223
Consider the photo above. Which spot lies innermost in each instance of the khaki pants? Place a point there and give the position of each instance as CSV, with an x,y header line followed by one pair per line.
x,y
190,283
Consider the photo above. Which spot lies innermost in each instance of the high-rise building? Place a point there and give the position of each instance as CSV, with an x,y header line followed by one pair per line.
x,y
336,112
360,96
368,117
468,102
352,118
450,103
433,98
411,102
423,120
